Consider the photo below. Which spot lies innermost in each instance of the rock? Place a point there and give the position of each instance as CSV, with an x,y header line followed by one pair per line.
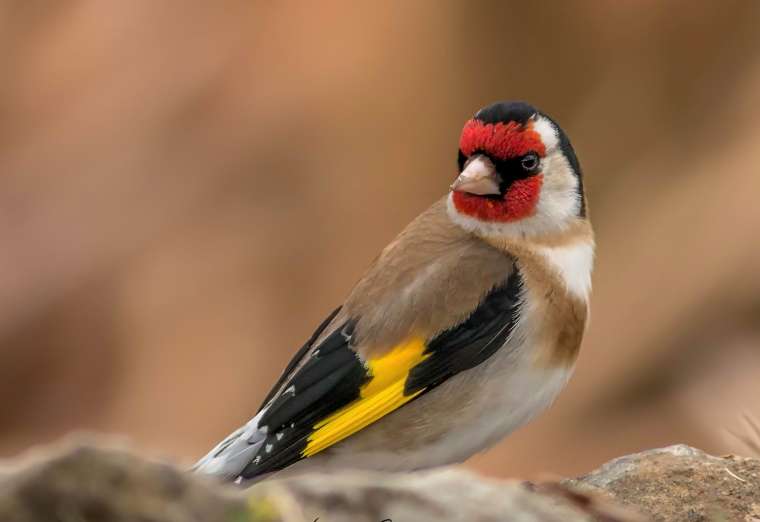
x,y
84,484
680,483
88,484
444,495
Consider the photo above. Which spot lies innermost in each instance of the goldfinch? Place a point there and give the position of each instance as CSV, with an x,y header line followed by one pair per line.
x,y
465,327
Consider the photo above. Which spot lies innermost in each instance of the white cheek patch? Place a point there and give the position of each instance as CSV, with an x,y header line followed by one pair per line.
x,y
547,131
559,199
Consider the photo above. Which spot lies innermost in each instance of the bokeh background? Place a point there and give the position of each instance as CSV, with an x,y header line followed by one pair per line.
x,y
187,188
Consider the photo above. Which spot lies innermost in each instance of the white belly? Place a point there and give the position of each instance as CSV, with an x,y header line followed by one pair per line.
x,y
516,391
502,394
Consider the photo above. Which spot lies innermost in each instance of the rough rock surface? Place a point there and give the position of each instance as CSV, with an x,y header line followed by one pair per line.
x,y
448,495
680,483
88,484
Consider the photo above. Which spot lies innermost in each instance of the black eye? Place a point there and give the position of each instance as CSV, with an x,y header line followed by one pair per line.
x,y
530,162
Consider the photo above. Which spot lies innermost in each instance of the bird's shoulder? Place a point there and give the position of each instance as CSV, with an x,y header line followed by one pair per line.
x,y
427,280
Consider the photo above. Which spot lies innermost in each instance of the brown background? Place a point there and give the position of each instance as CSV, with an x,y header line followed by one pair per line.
x,y
187,188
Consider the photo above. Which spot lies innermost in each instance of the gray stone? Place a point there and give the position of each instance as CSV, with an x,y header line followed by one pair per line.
x,y
680,483
91,483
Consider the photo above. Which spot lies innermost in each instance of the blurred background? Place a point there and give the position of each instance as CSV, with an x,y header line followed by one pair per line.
x,y
188,188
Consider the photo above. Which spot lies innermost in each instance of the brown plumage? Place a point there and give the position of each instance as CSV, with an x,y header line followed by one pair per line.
x,y
463,328
431,276
564,314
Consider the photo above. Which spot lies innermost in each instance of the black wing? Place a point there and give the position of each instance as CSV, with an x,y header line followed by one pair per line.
x,y
300,354
471,342
334,374
331,379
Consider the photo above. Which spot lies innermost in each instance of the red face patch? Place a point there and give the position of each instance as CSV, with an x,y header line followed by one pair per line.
x,y
519,202
500,140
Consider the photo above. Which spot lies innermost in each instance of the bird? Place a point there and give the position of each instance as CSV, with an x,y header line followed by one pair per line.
x,y
464,328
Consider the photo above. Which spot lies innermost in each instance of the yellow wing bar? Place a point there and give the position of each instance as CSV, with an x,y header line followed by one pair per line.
x,y
378,397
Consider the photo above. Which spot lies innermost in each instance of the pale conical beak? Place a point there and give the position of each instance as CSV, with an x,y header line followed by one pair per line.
x,y
478,177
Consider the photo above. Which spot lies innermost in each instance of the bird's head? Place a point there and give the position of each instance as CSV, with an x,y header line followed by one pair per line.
x,y
518,174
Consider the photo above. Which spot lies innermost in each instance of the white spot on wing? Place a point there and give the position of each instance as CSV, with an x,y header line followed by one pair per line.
x,y
279,436
268,448
346,336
